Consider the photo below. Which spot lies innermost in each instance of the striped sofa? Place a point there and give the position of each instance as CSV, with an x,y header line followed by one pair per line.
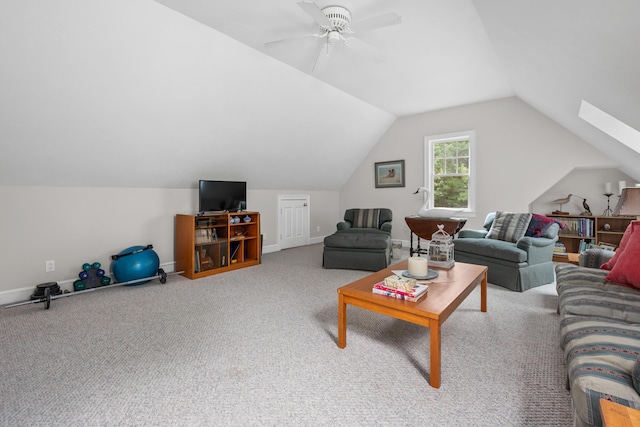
x,y
600,337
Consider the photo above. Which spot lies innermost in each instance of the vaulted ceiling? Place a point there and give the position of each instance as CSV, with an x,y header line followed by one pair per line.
x,y
445,53
438,56
160,93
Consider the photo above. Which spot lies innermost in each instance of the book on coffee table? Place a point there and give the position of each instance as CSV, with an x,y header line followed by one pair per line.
x,y
414,293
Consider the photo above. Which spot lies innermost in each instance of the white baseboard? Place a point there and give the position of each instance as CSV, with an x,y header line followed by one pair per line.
x,y
270,248
277,248
16,295
315,240
24,294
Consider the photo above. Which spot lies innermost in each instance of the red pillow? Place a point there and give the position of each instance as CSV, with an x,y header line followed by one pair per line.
x,y
626,270
623,243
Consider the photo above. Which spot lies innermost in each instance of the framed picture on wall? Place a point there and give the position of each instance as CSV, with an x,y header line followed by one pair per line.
x,y
389,174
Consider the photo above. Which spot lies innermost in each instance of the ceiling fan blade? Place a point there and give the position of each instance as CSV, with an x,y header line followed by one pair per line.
x,y
290,40
384,20
316,13
323,56
365,49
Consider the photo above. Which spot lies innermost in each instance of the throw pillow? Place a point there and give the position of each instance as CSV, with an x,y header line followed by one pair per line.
x,y
625,271
488,221
623,243
509,226
635,375
366,218
540,224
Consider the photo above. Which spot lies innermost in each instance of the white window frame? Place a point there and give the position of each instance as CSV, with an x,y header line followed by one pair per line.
x,y
429,142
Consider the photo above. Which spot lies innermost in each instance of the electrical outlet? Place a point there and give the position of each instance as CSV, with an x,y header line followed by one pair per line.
x,y
318,228
49,266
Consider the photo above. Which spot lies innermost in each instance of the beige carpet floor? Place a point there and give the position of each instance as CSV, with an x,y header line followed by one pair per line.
x,y
257,347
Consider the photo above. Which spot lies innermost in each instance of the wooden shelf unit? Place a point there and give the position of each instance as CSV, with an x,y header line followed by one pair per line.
x,y
211,244
618,226
595,230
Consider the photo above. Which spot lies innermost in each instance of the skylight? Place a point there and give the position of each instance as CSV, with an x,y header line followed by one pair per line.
x,y
610,125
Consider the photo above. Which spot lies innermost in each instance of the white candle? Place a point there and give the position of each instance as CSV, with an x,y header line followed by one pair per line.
x,y
621,185
418,267
607,188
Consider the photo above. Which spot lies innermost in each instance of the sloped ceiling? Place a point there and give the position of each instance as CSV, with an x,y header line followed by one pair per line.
x,y
438,57
140,93
557,53
128,93
444,53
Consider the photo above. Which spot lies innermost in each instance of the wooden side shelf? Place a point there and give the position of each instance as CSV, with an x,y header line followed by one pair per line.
x,y
592,229
617,227
571,258
212,244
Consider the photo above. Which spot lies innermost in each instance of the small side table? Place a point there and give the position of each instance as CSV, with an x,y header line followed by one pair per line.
x,y
571,258
424,228
617,415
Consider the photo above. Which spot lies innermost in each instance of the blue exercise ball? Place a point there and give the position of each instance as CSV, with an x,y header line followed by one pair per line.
x,y
136,262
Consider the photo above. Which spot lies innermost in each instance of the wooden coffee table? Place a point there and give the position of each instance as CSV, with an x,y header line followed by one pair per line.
x,y
445,294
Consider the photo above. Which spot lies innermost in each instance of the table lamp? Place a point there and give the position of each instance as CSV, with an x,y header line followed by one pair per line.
x,y
629,203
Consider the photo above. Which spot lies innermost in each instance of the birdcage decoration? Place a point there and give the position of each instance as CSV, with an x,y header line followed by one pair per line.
x,y
441,249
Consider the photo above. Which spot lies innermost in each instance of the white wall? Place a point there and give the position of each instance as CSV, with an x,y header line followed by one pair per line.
x,y
521,155
583,182
323,206
74,225
129,93
524,160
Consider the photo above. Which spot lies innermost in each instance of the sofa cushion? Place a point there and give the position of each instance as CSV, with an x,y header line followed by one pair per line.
x,y
366,218
583,291
360,238
600,355
492,248
509,226
625,270
623,243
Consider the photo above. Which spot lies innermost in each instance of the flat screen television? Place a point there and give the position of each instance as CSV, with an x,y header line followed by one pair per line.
x,y
222,196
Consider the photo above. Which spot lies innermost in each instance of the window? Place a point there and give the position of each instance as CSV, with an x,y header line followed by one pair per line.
x,y
450,170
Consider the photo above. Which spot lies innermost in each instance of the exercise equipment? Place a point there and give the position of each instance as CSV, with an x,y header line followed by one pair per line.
x,y
48,295
133,266
91,276
43,288
135,263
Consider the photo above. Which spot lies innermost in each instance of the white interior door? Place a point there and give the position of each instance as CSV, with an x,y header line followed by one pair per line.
x,y
293,221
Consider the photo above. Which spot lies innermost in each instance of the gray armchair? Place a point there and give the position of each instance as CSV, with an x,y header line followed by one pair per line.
x,y
362,241
367,218
595,257
519,265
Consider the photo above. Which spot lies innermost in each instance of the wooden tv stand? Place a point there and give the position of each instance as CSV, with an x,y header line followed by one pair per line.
x,y
214,243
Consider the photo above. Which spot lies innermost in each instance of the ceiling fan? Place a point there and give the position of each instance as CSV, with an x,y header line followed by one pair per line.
x,y
335,28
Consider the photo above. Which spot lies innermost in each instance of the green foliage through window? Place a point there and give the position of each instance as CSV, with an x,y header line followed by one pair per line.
x,y
451,174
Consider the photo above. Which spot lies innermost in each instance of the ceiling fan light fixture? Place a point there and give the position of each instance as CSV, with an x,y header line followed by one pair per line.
x,y
334,23
339,16
333,37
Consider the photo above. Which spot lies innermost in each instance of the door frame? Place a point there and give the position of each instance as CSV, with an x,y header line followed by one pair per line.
x,y
302,197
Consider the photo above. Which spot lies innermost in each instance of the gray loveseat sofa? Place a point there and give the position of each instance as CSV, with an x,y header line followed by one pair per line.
x,y
599,335
516,261
362,241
